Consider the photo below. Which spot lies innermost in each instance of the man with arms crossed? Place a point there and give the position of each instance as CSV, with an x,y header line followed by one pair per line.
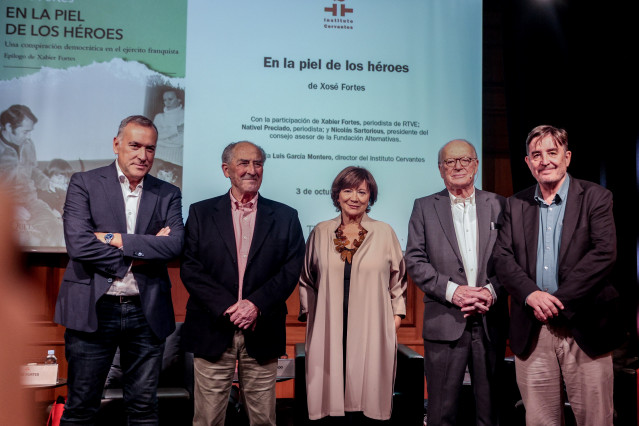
x,y
554,255
121,227
449,256
242,259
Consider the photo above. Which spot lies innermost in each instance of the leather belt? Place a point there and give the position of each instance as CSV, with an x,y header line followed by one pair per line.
x,y
121,299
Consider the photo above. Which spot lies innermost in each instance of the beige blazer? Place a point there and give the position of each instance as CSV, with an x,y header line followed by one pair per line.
x,y
377,294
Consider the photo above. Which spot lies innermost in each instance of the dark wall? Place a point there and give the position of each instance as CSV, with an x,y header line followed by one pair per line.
x,y
572,64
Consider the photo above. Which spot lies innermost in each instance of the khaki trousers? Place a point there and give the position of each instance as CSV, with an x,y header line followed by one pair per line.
x,y
213,381
589,381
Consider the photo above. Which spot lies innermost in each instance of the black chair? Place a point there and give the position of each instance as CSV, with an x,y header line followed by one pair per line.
x,y
175,390
408,395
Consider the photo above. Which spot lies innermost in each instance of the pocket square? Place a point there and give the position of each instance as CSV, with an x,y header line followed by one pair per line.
x,y
494,225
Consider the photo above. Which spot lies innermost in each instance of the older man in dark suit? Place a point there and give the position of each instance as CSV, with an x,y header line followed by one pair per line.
x,y
242,258
449,256
121,227
554,256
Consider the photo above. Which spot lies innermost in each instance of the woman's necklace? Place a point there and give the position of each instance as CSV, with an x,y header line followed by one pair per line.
x,y
341,243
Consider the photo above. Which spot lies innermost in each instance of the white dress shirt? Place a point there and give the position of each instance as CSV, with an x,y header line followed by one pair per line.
x,y
464,212
127,286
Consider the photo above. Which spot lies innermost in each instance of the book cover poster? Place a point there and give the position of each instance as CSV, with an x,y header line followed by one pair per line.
x,y
70,71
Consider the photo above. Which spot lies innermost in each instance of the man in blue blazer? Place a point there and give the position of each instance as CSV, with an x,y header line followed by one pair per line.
x,y
242,258
121,227
449,257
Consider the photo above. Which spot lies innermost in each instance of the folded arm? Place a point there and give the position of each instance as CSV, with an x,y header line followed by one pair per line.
x,y
164,245
79,233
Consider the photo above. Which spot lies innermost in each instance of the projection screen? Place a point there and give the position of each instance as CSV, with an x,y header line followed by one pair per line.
x,y
320,85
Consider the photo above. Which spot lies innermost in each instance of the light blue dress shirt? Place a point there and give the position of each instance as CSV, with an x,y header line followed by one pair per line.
x,y
551,220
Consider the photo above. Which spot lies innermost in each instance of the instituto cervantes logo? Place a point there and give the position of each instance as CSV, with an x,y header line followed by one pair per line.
x,y
340,16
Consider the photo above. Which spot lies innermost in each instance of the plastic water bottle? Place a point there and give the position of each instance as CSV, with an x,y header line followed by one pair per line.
x,y
51,359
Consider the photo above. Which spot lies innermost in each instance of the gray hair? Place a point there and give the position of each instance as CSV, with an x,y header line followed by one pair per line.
x,y
559,136
227,154
139,120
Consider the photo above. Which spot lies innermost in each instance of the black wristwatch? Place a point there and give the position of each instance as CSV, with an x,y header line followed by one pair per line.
x,y
108,237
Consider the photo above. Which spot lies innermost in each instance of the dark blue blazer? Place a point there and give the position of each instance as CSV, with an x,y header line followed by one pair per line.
x,y
209,273
95,203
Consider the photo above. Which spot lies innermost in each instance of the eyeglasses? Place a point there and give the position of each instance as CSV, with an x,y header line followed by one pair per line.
x,y
451,162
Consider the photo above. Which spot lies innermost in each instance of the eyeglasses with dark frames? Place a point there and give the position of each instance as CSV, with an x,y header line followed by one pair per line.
x,y
451,162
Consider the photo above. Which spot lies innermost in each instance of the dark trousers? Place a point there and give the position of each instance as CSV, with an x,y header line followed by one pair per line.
x,y
445,366
90,356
